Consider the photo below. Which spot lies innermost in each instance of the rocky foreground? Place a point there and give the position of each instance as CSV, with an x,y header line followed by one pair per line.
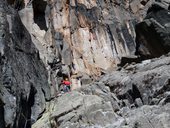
x,y
119,51
135,97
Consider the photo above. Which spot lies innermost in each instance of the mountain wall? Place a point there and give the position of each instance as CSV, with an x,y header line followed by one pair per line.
x,y
83,39
24,87
87,36
104,47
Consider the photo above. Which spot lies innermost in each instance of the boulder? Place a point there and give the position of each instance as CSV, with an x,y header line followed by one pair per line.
x,y
153,33
90,106
146,81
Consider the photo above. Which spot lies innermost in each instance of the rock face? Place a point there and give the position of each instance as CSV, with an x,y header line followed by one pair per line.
x,y
88,36
153,32
43,41
24,80
87,32
135,97
148,81
138,94
91,106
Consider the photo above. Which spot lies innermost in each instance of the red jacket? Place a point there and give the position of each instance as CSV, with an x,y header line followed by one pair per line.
x,y
66,82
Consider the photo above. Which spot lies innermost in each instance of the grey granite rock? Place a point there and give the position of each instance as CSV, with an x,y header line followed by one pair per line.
x,y
153,32
62,37
24,85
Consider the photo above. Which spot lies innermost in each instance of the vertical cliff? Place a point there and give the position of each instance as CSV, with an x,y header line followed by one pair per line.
x,y
92,36
87,36
24,80
76,37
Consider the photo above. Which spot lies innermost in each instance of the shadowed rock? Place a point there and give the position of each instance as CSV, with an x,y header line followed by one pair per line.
x,y
23,80
153,34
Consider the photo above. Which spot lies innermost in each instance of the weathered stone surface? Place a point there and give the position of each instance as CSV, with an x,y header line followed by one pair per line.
x,y
81,109
148,117
88,36
137,96
92,37
147,80
91,40
77,38
153,32
23,80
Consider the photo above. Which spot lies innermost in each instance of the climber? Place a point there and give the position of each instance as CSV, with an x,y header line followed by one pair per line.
x,y
66,85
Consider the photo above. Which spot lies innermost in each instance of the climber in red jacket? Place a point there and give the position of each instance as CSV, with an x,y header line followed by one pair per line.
x,y
66,85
